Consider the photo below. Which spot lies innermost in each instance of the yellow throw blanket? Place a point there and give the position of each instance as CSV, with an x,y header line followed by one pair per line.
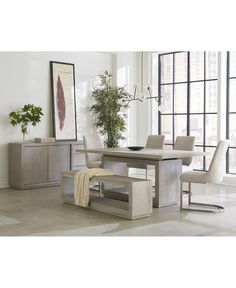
x,y
81,186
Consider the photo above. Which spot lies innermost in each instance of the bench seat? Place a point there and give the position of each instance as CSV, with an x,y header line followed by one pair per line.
x,y
127,197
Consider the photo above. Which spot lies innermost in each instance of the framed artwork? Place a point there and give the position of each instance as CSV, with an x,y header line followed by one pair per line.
x,y
63,101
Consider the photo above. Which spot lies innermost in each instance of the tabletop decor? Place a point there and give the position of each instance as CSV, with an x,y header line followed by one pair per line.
x,y
63,96
27,115
135,148
108,107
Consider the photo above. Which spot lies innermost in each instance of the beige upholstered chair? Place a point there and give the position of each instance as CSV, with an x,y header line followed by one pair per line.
x,y
213,175
153,142
92,141
185,143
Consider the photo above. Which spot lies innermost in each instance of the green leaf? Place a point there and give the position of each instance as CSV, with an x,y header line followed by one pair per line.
x,y
27,114
109,120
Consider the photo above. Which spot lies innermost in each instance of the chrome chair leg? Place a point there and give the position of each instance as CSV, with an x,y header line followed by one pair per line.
x,y
181,195
189,193
214,208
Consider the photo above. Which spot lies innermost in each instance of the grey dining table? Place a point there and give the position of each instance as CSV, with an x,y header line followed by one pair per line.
x,y
167,165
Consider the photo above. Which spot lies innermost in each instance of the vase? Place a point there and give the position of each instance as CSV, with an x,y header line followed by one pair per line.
x,y
26,135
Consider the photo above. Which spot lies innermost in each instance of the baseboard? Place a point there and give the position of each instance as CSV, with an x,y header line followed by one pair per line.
x,y
229,180
4,185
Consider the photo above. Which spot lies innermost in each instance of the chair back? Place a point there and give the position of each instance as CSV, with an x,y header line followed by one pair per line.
x,y
185,143
216,169
155,141
92,141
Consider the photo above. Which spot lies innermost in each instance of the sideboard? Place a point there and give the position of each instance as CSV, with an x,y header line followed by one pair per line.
x,y
33,165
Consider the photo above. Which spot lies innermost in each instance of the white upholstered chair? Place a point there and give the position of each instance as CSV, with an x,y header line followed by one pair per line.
x,y
185,143
213,175
92,141
153,142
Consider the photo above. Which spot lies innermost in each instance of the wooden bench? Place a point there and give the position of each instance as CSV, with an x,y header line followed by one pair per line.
x,y
131,200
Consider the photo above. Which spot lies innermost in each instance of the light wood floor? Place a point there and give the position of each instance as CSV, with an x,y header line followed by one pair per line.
x,y
41,212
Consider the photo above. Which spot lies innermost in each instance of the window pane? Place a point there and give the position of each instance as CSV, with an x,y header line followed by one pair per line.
x,y
181,67
232,129
180,98
198,161
167,68
196,128
232,95
167,128
232,65
180,125
196,66
167,98
211,96
196,97
211,65
211,129
209,156
232,160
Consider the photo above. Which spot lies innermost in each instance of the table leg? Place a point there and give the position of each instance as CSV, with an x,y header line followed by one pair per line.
x,y
167,183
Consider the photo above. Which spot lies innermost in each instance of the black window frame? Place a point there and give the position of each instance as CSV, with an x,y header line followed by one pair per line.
x,y
228,112
188,113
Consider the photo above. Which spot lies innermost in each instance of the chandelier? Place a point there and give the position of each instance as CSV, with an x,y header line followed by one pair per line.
x,y
142,96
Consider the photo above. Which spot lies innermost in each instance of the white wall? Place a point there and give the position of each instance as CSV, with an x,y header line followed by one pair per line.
x,y
128,66
126,76
25,79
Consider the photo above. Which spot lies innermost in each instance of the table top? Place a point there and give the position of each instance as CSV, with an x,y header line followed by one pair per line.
x,y
146,153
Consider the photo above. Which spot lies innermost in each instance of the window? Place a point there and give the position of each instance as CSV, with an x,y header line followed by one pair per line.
x,y
231,113
188,86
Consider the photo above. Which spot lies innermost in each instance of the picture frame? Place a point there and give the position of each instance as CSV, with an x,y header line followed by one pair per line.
x,y
63,101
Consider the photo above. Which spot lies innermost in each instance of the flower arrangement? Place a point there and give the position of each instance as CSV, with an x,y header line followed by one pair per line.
x,y
28,114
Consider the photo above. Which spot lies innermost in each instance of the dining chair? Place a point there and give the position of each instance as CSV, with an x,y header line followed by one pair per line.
x,y
153,142
93,160
185,143
92,141
214,175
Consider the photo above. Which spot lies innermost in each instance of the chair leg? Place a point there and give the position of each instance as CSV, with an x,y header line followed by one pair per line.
x,y
189,193
181,195
99,189
214,208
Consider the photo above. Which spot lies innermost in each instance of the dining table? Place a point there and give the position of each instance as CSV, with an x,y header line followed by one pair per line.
x,y
167,165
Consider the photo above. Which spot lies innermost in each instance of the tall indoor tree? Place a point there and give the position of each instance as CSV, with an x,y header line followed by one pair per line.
x,y
109,103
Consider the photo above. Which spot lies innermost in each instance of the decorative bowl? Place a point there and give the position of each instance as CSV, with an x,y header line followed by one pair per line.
x,y
135,148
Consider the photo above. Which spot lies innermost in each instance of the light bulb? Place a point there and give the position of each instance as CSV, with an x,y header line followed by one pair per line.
x,y
161,108
142,97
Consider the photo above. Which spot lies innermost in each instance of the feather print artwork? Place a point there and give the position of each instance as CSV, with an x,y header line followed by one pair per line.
x,y
61,107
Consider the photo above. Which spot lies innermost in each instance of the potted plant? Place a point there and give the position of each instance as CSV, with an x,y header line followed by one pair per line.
x,y
28,114
109,102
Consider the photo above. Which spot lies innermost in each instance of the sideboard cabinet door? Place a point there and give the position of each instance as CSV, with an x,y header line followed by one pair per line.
x,y
34,165
58,161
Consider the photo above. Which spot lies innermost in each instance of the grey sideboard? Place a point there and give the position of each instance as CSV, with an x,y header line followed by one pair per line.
x,y
33,165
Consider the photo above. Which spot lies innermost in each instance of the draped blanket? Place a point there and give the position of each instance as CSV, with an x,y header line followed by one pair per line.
x,y
81,184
